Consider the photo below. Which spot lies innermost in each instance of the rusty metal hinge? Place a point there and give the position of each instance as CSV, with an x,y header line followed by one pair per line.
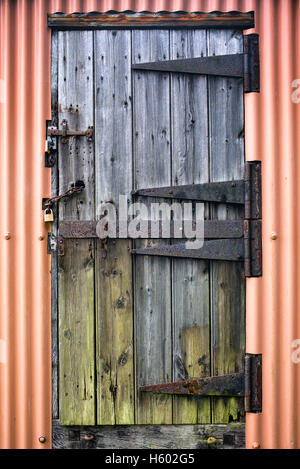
x,y
244,65
246,247
65,133
247,384
224,240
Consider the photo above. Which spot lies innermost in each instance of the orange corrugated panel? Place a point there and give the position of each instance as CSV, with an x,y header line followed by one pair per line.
x,y
272,120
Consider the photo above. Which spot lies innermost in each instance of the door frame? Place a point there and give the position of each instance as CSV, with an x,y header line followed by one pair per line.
x,y
137,436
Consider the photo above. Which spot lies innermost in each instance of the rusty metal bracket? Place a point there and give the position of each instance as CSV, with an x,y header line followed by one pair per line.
x,y
218,250
247,384
65,133
251,63
50,150
51,243
253,382
60,246
244,65
225,386
246,192
231,192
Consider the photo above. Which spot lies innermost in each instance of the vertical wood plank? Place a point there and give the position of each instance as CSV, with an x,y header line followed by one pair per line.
x,y
190,286
54,260
227,280
113,165
115,374
151,131
76,334
76,104
76,267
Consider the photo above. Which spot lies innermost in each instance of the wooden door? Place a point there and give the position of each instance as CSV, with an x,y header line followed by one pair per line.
x,y
126,321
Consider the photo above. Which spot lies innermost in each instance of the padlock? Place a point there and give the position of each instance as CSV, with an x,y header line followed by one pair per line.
x,y
48,215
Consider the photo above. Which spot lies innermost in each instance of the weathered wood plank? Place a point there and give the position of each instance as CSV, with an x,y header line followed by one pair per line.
x,y
76,104
113,114
76,334
114,334
190,285
153,437
113,166
151,131
227,281
54,262
76,269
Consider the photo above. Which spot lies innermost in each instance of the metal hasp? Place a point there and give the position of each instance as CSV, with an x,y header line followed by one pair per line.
x,y
65,133
244,65
247,248
247,384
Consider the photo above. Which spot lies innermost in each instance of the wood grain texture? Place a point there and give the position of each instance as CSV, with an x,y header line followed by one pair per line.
x,y
152,167
113,166
158,320
76,104
76,334
190,278
152,437
226,116
113,115
114,334
76,268
54,229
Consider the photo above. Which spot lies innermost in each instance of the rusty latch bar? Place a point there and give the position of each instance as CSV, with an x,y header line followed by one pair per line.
x,y
247,384
64,133
224,386
244,65
231,230
213,229
218,250
231,192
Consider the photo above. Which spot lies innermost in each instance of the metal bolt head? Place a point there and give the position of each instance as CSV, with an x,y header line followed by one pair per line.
x,y
7,236
273,235
42,439
89,437
255,445
41,237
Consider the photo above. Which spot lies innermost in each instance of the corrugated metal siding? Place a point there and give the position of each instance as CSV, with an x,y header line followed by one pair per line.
x,y
272,120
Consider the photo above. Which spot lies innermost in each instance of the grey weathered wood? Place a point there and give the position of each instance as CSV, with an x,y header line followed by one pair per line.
x,y
226,116
153,437
76,334
76,267
152,167
76,104
113,114
190,282
113,167
155,137
54,265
